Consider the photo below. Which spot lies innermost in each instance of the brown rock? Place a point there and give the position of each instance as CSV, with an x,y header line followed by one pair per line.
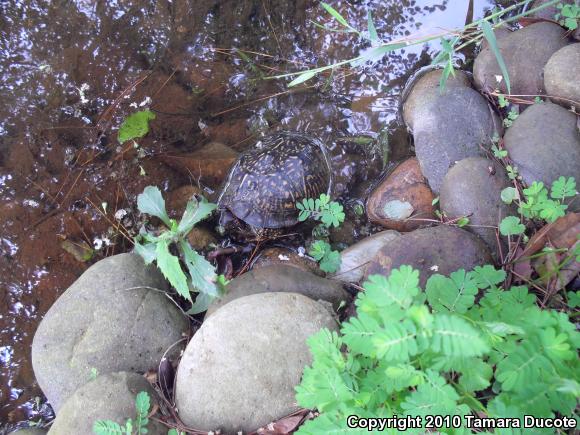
x,y
401,199
210,164
442,249
178,198
285,256
201,238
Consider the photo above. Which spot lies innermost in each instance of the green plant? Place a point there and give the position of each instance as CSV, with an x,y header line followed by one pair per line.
x,y
137,426
537,203
200,276
568,15
329,213
135,126
511,117
438,352
470,34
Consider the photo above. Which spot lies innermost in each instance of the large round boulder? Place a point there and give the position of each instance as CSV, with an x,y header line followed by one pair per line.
x,y
239,370
108,397
548,12
402,201
525,53
562,77
281,278
115,317
355,259
442,249
473,188
544,144
452,127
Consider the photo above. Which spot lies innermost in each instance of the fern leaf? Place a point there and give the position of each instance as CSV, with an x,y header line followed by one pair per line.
x,y
396,342
453,294
359,333
525,363
434,397
323,389
453,336
107,427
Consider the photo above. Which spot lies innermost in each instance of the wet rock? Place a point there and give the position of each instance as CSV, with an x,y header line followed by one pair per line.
x,y
525,53
209,164
544,144
442,249
549,12
344,235
401,198
110,319
281,278
108,397
287,257
473,188
452,127
561,76
423,87
178,198
239,370
356,258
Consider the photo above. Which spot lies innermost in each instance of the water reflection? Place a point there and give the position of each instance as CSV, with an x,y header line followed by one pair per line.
x,y
72,70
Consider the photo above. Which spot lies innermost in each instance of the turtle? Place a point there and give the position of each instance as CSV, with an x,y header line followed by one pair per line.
x,y
263,186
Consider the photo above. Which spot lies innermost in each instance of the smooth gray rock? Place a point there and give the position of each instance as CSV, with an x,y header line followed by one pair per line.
x,y
107,320
239,370
562,76
549,12
452,127
108,397
356,258
424,87
442,249
525,53
473,188
281,278
544,144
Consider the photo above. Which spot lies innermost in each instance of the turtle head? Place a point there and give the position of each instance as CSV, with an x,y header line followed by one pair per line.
x,y
229,224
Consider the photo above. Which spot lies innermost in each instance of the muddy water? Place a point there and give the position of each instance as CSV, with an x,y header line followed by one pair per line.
x,y
72,70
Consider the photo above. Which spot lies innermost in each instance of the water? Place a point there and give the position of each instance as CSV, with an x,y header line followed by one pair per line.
x,y
72,70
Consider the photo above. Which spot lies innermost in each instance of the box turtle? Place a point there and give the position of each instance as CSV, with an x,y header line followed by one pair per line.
x,y
260,193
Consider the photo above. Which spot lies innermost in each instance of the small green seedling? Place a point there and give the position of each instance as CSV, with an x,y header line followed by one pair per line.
x,y
329,214
200,275
135,126
568,15
131,427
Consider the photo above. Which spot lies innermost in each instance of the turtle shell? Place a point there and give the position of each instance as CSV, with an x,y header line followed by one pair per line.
x,y
266,181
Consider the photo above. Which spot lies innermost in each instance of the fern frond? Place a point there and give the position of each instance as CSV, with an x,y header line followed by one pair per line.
x,y
453,336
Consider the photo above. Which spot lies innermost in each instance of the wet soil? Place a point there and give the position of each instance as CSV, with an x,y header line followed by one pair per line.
x,y
71,71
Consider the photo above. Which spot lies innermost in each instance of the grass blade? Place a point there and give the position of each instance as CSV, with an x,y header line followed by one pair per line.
x,y
335,14
490,36
371,28
305,76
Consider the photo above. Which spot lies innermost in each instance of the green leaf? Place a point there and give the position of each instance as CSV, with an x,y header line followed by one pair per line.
x,y
434,397
371,28
399,289
304,77
462,222
148,251
573,299
135,126
453,336
395,342
171,269
107,427
142,405
201,304
195,212
374,54
335,14
453,294
563,188
330,263
492,41
487,276
509,194
151,202
511,226
518,367
319,249
476,376
201,271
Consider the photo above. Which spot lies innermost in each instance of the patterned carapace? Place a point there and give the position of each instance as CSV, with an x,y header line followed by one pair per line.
x,y
266,182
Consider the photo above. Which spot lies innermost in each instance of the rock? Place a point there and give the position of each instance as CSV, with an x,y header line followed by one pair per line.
x,y
108,397
402,197
287,257
548,13
561,76
544,144
239,370
201,238
525,52
442,249
281,278
452,127
98,323
424,86
178,198
473,188
356,258
209,164
30,431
